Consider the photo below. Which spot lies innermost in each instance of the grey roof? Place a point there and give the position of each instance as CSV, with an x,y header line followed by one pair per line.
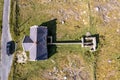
x,y
33,33
27,39
36,44
33,53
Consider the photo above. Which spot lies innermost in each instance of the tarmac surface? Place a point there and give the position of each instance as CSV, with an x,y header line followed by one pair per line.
x,y
6,61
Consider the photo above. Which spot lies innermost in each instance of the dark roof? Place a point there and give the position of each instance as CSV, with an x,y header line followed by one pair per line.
x,y
42,43
27,39
38,38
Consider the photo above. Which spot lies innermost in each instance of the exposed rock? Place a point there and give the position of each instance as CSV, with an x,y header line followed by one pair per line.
x,y
55,70
84,22
62,22
21,57
106,10
50,73
84,12
49,0
61,11
65,78
88,34
118,30
97,9
65,0
46,1
109,61
52,61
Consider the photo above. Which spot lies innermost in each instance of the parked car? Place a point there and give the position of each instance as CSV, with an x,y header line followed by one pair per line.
x,y
10,47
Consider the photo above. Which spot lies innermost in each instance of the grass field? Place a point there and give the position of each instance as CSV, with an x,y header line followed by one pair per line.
x,y
1,8
74,19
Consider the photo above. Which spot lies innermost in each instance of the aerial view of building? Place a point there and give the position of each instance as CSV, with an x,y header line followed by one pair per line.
x,y
60,39
36,43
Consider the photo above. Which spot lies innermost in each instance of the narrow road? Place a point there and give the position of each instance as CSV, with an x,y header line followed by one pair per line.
x,y
6,61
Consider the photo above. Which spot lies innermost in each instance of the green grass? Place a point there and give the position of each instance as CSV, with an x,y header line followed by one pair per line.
x,y
1,11
96,64
109,47
37,70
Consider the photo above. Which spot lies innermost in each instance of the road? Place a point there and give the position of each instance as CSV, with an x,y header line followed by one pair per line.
x,y
6,61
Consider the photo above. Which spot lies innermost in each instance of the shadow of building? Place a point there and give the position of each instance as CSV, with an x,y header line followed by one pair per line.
x,y
51,47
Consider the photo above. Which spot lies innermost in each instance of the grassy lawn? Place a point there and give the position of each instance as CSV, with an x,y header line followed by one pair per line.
x,y
1,10
74,19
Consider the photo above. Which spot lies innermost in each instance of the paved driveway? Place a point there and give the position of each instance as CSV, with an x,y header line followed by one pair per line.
x,y
6,61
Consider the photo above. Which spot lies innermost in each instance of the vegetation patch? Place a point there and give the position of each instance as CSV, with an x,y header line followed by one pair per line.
x,y
1,13
73,19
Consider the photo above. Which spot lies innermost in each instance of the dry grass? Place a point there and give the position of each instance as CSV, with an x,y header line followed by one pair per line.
x,y
1,8
78,19
110,47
